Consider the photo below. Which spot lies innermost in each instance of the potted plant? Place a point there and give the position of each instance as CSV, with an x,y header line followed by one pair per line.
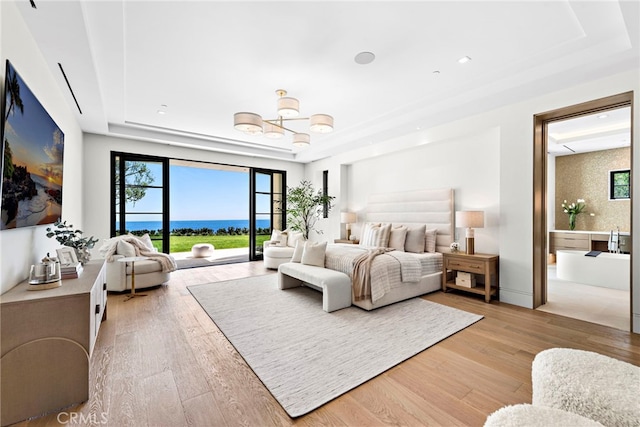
x,y
305,206
67,236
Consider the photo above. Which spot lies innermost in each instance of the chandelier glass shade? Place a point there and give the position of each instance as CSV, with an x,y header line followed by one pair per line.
x,y
288,110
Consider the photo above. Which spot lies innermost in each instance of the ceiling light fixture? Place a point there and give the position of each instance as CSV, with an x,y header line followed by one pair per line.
x,y
464,60
288,110
364,58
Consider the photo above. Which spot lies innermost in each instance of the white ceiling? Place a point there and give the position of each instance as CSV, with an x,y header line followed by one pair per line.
x,y
206,60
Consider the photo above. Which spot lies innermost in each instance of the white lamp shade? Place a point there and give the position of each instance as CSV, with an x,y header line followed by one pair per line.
x,y
272,131
321,123
469,219
348,217
250,123
288,107
301,139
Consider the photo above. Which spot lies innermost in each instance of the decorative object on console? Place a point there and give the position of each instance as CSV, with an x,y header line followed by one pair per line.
x,y
45,275
305,206
33,158
348,218
67,236
288,110
470,220
573,210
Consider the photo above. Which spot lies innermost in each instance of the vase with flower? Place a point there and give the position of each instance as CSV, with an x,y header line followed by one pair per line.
x,y
573,209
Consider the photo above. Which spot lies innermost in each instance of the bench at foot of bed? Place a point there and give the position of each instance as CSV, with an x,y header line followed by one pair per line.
x,y
334,285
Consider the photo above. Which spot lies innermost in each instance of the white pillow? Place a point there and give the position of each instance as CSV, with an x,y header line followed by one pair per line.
x,y
125,248
313,253
430,240
297,252
293,238
279,238
397,237
365,236
146,240
377,236
415,240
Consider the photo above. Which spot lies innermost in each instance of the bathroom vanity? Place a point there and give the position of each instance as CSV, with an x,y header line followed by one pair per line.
x,y
586,241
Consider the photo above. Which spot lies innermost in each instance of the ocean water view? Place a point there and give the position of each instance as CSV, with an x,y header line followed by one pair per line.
x,y
196,224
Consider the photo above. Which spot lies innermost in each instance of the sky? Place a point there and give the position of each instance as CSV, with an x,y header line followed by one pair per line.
x,y
35,140
199,194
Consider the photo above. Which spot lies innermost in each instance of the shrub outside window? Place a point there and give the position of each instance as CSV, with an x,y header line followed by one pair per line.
x,y
620,184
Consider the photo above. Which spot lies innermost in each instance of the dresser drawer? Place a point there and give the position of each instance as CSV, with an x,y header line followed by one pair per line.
x,y
580,244
464,265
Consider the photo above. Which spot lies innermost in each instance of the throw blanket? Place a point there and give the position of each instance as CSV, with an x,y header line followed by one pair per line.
x,y
361,278
388,271
166,261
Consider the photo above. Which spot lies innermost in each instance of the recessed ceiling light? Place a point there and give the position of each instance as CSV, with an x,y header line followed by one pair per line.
x,y
464,60
163,109
603,116
436,71
364,58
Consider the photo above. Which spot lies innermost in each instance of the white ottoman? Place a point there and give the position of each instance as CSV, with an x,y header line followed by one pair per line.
x,y
202,250
334,285
588,384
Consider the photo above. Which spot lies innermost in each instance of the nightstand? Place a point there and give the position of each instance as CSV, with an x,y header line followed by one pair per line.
x,y
353,242
477,264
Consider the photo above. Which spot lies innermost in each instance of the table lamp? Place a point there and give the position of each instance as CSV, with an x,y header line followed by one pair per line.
x,y
470,220
348,218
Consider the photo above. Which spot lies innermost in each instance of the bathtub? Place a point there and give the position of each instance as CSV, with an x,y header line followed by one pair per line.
x,y
606,270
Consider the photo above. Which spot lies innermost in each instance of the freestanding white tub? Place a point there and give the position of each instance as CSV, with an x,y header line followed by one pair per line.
x,y
606,270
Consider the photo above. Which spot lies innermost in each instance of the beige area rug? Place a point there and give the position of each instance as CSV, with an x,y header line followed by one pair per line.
x,y
307,357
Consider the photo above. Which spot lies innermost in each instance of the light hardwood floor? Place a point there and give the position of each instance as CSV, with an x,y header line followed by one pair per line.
x,y
160,361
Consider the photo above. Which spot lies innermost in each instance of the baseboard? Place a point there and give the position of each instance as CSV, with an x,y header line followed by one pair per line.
x,y
516,297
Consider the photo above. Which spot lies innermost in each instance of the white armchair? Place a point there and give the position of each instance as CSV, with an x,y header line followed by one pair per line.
x,y
274,253
149,272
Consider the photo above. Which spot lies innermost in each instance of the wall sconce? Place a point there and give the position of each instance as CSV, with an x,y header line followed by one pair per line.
x,y
470,220
348,218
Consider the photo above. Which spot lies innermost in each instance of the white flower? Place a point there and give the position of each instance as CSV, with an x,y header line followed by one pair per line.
x,y
580,201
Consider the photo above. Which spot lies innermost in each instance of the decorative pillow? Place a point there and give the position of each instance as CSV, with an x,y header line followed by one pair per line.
x,y
415,240
294,236
430,237
279,238
125,248
313,253
297,252
146,240
378,236
365,236
397,237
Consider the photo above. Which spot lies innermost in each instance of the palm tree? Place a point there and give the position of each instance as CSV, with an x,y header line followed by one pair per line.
x,y
8,160
14,93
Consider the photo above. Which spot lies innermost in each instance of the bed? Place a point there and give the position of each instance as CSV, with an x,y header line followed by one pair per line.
x,y
431,209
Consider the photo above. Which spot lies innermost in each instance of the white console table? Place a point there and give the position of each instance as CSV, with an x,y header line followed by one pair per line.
x,y
47,339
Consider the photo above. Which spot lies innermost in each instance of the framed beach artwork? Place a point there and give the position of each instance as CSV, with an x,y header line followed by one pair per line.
x,y
33,149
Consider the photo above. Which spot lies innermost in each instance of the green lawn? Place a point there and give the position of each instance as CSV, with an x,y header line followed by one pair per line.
x,y
184,243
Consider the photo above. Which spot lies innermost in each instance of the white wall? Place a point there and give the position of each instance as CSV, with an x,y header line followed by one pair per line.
x,y
443,148
97,158
19,248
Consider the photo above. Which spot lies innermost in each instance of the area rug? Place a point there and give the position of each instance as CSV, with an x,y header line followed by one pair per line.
x,y
306,356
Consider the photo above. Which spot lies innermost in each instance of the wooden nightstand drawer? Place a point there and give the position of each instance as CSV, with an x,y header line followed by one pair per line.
x,y
464,265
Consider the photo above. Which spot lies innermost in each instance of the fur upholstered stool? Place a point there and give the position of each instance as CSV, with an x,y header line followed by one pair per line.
x,y
536,416
588,384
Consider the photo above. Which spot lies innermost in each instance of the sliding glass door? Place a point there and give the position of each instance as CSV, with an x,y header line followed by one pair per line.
x,y
140,197
267,207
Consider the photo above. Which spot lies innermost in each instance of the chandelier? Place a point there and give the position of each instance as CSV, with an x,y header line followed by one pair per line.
x,y
288,110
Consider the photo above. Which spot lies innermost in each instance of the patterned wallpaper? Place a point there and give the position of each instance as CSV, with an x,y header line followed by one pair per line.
x,y
586,176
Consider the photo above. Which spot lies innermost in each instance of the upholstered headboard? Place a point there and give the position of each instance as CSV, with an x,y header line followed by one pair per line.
x,y
433,207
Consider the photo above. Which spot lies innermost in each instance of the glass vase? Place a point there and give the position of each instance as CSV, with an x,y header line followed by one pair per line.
x,y
572,221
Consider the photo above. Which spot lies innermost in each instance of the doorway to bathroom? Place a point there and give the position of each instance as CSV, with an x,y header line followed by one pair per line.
x,y
587,155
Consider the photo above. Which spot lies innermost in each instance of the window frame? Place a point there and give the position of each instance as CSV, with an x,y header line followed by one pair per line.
x,y
612,174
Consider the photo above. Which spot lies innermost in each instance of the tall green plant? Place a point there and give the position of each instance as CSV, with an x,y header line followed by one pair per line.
x,y
305,206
